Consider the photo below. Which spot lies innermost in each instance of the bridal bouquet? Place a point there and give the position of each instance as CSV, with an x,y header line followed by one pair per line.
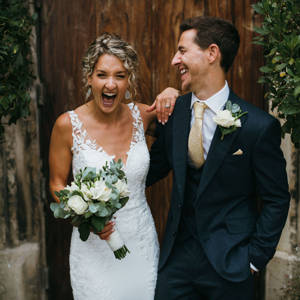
x,y
92,199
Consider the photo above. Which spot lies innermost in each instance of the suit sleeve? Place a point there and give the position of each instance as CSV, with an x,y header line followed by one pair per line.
x,y
272,188
159,164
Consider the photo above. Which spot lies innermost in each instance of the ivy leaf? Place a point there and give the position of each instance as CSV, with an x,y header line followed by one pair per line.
x,y
297,91
265,69
280,66
261,30
289,109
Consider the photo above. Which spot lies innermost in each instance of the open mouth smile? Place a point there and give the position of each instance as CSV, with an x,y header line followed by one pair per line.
x,y
108,99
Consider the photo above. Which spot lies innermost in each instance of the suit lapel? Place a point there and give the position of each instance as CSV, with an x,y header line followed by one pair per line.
x,y
218,150
181,126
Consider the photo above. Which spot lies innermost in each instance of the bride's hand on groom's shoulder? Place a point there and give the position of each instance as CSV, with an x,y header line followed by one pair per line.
x,y
164,104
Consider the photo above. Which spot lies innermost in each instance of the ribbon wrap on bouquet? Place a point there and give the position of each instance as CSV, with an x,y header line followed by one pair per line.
x,y
117,245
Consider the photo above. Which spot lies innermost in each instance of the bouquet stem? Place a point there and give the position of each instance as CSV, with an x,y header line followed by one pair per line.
x,y
117,245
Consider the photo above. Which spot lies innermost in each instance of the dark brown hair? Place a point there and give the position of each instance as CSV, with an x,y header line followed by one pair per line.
x,y
212,30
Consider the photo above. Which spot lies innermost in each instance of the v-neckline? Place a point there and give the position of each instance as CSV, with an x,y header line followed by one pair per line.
x,y
95,145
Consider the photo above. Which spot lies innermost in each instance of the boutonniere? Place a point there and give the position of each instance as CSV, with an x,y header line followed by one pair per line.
x,y
228,119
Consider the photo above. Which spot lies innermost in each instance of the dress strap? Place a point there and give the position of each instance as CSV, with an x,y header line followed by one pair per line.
x,y
79,135
138,126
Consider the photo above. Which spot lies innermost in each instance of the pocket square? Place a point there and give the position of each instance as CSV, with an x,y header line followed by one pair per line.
x,y
238,152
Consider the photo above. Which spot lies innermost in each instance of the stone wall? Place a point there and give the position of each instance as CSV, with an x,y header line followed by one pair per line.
x,y
283,272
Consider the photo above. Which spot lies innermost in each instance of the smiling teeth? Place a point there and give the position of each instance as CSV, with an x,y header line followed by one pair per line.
x,y
109,94
183,71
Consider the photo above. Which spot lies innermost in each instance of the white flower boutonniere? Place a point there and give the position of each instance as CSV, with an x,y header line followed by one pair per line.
x,y
228,119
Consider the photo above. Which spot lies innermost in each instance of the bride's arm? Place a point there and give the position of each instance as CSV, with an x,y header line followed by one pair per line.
x,y
161,108
164,104
60,155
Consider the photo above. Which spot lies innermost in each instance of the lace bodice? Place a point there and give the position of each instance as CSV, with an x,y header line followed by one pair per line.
x,y
134,222
83,142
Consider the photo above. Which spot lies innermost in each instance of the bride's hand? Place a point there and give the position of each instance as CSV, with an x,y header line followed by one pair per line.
x,y
164,104
107,230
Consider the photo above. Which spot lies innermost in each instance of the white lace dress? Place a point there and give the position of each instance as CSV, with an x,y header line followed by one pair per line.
x,y
95,272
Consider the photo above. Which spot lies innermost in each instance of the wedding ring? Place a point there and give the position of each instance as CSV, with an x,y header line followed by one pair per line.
x,y
167,106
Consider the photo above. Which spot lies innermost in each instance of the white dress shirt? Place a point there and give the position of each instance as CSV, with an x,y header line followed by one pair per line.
x,y
214,103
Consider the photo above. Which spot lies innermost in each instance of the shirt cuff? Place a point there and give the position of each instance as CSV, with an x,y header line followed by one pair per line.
x,y
253,268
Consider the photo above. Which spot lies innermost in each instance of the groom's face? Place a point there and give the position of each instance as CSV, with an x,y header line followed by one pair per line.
x,y
190,61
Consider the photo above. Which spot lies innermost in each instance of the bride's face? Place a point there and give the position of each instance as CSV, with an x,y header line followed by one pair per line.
x,y
109,82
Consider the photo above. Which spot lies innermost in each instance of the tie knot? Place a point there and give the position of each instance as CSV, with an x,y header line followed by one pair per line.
x,y
199,108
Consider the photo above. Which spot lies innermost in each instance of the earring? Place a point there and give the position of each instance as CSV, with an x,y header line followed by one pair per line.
x,y
127,95
88,93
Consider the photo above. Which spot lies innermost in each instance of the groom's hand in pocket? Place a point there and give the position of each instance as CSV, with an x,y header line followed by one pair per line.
x,y
106,231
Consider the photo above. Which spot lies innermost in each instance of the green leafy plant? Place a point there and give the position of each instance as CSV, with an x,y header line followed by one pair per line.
x,y
15,60
279,34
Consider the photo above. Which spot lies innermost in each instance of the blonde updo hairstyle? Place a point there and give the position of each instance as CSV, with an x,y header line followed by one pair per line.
x,y
110,44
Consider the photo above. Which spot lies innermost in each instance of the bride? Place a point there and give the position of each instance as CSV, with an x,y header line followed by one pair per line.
x,y
105,129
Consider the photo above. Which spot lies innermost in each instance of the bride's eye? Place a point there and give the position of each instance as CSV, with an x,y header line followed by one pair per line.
x,y
100,75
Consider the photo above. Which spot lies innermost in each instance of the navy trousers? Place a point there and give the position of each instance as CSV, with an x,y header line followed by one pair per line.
x,y
188,275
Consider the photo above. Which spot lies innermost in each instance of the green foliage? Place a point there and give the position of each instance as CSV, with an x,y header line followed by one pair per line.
x,y
279,35
15,60
98,210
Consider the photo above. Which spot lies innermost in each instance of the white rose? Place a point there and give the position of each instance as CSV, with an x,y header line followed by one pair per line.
x,y
101,191
122,188
77,204
224,118
87,194
73,187
237,123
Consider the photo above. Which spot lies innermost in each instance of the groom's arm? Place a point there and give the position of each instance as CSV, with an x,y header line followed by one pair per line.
x,y
159,163
272,186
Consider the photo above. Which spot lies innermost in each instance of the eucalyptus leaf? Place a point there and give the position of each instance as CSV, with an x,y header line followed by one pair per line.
x,y
59,212
88,174
229,105
93,208
103,212
53,206
115,196
235,108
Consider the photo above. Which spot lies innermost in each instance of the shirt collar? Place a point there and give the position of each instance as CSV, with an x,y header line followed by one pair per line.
x,y
216,101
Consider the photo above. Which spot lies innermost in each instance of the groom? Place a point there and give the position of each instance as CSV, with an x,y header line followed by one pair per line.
x,y
216,238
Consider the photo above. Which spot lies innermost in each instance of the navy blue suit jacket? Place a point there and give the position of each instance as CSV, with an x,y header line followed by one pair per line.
x,y
231,229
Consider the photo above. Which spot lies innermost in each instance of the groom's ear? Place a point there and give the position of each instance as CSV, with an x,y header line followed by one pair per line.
x,y
213,53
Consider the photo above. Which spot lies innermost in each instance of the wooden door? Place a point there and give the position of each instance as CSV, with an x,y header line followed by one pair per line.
x,y
67,28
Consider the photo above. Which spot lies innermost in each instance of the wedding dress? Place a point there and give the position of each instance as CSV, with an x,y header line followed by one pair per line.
x,y
95,273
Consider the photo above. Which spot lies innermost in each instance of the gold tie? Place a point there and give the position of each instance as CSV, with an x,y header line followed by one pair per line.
x,y
195,146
